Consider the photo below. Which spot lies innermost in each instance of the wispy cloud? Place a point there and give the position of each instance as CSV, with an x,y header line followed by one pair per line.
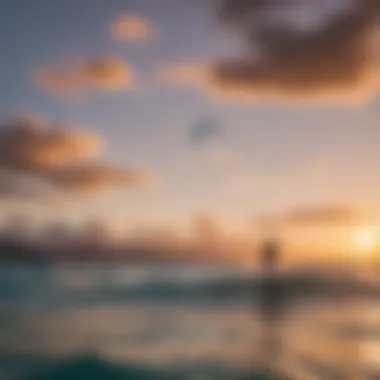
x,y
76,78
130,27
320,215
95,178
324,214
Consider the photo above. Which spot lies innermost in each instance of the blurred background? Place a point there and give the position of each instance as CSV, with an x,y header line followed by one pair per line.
x,y
189,189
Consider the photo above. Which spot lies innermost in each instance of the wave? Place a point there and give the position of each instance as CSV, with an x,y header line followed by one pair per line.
x,y
112,283
94,368
63,285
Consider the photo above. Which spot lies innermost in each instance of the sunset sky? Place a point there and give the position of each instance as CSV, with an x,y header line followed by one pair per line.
x,y
133,75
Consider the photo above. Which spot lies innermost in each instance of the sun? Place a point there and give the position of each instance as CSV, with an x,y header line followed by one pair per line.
x,y
365,239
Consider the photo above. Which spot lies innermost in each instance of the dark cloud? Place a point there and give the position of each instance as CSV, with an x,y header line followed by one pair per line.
x,y
301,48
35,156
86,75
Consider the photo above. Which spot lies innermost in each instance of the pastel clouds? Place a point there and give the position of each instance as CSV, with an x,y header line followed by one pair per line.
x,y
131,28
87,75
31,146
324,214
59,159
95,178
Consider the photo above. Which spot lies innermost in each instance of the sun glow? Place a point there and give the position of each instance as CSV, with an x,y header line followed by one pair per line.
x,y
365,239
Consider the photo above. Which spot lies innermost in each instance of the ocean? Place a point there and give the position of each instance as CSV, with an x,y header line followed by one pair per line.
x,y
113,321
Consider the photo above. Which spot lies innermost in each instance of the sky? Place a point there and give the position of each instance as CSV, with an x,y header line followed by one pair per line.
x,y
108,67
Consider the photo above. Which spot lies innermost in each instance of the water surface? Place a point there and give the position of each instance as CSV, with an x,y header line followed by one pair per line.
x,y
173,322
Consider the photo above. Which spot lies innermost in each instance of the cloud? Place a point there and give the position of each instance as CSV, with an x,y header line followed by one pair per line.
x,y
131,28
53,158
325,214
302,48
295,50
30,145
87,75
95,178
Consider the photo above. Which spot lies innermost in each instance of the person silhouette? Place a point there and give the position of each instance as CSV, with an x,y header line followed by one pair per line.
x,y
271,287
271,305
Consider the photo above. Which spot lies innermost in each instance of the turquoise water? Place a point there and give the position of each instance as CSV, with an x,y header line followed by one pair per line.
x,y
172,322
